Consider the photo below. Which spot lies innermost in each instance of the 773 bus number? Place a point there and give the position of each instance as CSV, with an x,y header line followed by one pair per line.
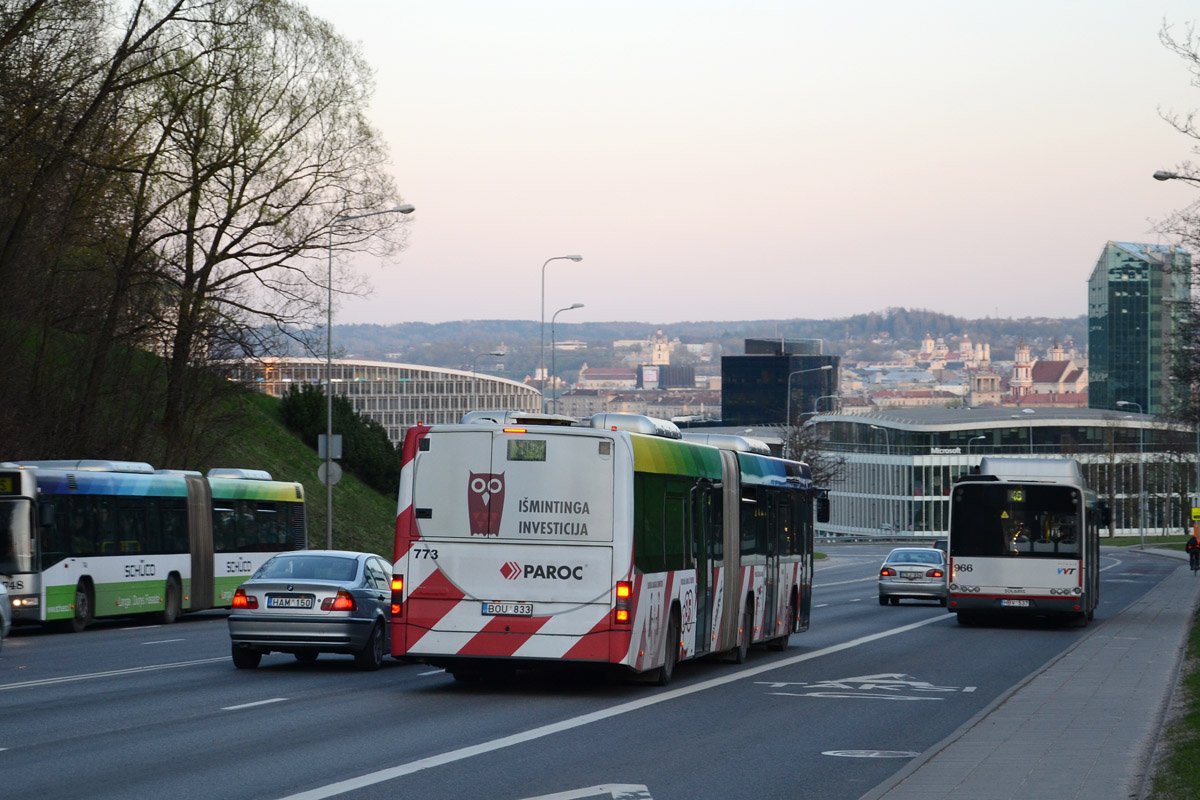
x,y
424,552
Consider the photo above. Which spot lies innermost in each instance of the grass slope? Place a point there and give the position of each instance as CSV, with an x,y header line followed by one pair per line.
x,y
363,519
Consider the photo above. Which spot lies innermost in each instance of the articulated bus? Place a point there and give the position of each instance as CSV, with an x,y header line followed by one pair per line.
x,y
1024,539
616,541
87,539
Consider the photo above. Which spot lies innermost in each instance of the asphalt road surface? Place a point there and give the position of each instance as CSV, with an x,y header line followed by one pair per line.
x,y
129,710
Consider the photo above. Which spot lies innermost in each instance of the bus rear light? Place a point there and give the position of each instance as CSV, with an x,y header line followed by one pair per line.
x,y
515,430
344,601
397,596
243,600
624,603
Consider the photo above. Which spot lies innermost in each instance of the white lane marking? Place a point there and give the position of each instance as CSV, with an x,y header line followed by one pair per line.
x,y
391,773
431,672
256,703
871,753
841,583
821,605
164,641
110,673
139,627
856,600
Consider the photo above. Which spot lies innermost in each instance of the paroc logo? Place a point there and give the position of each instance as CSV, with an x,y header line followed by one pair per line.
x,y
511,570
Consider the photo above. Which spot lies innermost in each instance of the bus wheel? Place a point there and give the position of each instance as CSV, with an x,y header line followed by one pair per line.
x,y
172,601
781,642
743,648
672,656
371,656
84,607
246,657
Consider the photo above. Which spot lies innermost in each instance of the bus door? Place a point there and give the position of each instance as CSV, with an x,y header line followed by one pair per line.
x,y
703,534
770,517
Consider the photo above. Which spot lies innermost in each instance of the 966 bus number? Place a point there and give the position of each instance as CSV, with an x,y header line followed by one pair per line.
x,y
424,552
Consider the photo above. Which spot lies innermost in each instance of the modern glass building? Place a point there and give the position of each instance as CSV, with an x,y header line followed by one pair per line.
x,y
1137,295
755,387
901,463
397,396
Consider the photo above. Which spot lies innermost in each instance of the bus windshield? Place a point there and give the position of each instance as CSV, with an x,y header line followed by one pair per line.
x,y
1018,520
16,552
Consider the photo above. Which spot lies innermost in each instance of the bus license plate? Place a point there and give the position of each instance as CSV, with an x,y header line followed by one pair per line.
x,y
1011,602
507,609
292,601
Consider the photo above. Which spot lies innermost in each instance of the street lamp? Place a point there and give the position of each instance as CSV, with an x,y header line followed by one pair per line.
x,y
787,415
403,209
554,392
1163,175
973,439
542,346
1141,466
887,438
817,401
474,377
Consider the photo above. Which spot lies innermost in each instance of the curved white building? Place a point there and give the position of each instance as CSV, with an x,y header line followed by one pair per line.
x,y
395,395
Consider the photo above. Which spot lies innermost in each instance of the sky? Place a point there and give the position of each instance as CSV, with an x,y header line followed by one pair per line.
x,y
766,159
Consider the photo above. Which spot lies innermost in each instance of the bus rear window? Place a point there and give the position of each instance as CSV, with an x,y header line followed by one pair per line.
x,y
526,449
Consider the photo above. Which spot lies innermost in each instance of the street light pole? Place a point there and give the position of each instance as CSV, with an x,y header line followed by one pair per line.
x,y
553,386
475,378
887,439
1141,467
973,439
542,346
787,414
402,209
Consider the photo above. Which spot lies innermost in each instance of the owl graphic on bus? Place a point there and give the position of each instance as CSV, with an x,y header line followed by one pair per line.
x,y
485,502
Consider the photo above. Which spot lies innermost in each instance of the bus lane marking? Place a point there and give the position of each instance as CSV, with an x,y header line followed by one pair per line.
x,y
163,641
616,791
463,753
887,686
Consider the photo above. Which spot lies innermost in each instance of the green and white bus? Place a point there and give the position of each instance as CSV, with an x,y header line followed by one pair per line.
x,y
87,539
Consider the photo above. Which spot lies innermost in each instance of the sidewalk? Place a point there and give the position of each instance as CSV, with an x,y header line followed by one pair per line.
x,y
1084,726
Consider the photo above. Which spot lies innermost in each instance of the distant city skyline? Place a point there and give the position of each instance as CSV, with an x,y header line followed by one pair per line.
x,y
770,160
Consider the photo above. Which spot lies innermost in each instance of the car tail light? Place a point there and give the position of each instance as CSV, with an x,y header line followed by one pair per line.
x,y
397,596
243,600
344,601
624,603
935,573
887,572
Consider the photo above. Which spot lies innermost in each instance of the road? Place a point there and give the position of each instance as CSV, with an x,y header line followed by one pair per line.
x,y
127,710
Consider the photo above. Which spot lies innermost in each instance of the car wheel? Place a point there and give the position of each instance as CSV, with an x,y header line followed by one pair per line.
x,y
84,607
894,600
246,657
942,601
667,670
883,601
371,656
306,656
172,601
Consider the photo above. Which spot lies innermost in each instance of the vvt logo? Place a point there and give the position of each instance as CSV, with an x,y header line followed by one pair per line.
x,y
1066,570
511,570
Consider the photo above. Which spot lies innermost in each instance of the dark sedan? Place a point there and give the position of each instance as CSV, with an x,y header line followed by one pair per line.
x,y
307,602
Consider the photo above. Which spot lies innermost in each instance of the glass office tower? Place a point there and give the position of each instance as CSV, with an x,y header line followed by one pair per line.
x,y
1137,296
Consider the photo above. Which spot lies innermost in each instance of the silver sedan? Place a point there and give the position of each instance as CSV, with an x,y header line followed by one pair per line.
x,y
307,602
916,572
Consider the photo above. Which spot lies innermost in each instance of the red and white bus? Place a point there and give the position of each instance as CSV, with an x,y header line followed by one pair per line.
x,y
525,538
